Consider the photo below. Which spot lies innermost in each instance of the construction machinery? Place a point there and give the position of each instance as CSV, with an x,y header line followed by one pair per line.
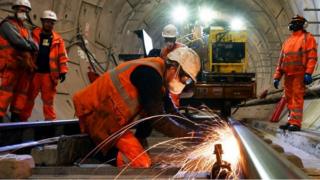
x,y
224,80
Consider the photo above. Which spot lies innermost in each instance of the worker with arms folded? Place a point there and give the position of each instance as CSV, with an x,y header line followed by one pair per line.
x,y
16,60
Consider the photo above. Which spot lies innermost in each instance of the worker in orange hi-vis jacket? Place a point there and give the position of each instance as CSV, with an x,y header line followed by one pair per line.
x,y
51,67
137,87
16,60
297,62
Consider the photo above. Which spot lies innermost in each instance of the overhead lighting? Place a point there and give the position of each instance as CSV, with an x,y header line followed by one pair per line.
x,y
180,14
237,24
206,15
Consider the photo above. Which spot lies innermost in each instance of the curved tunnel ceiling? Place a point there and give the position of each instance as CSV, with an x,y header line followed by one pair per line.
x,y
108,25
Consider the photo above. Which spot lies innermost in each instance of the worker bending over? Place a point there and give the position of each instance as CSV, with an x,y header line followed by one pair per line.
x,y
16,61
297,61
51,67
134,88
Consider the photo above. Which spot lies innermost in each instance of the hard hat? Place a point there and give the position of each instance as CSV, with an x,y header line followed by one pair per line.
x,y
48,14
299,20
25,3
188,59
169,31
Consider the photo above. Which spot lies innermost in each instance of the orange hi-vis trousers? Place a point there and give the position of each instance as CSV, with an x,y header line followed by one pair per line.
x,y
13,90
294,92
131,150
42,83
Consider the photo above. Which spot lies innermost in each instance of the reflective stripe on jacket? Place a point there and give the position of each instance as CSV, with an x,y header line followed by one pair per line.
x,y
8,54
58,55
113,96
298,55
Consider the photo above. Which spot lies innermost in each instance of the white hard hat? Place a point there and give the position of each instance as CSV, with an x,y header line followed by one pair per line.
x,y
169,31
188,59
48,14
25,3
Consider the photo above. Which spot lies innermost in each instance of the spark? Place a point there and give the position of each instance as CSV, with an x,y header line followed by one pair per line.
x,y
193,157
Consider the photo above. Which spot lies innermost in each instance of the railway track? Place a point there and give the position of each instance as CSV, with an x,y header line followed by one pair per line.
x,y
259,159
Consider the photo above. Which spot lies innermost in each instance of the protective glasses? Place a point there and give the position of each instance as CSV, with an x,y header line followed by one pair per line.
x,y
183,76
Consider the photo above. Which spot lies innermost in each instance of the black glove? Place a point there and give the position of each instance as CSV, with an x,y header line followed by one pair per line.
x,y
62,77
276,83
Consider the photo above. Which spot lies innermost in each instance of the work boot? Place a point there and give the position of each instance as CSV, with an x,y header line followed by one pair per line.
x,y
15,117
284,126
293,127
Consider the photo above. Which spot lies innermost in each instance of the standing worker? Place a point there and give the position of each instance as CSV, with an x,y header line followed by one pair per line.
x,y
297,62
169,34
133,88
51,67
16,62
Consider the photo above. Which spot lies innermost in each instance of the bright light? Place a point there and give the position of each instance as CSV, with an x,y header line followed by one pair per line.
x,y
206,15
237,24
180,14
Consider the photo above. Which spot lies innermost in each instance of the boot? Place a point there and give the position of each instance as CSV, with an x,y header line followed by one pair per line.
x,y
284,126
293,127
15,117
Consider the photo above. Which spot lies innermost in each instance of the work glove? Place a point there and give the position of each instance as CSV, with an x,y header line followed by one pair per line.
x,y
307,79
62,77
276,83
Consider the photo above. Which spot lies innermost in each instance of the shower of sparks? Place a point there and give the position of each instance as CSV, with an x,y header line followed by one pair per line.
x,y
194,156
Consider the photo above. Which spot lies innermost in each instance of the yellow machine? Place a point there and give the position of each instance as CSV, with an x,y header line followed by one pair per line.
x,y
227,51
224,80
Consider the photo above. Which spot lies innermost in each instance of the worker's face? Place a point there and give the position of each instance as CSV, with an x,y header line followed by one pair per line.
x,y
176,78
21,12
170,42
48,25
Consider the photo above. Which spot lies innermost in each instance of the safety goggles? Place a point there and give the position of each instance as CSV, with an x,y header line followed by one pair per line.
x,y
183,76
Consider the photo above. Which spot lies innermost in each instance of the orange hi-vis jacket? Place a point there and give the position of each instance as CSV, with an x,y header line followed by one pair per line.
x,y
58,55
8,54
298,55
165,51
111,101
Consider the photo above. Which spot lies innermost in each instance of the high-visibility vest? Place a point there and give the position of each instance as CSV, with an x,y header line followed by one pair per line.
x,y
298,55
8,54
113,95
58,55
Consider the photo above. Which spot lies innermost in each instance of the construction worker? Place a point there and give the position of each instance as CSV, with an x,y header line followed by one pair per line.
x,y
16,62
297,62
134,88
51,67
169,34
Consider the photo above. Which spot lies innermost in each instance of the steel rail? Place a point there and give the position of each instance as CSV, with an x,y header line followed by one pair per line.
x,y
259,161
22,132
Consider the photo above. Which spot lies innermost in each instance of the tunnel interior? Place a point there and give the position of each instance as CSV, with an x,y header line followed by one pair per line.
x,y
108,30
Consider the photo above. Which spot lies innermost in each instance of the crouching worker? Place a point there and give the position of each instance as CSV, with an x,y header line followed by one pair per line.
x,y
133,88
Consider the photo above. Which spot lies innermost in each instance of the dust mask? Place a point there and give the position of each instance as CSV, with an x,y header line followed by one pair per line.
x,y
175,85
22,16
